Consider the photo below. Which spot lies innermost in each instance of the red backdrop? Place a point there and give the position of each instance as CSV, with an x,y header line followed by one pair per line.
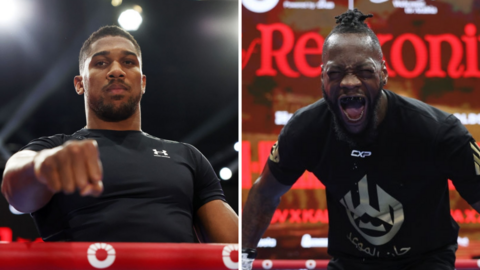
x,y
431,50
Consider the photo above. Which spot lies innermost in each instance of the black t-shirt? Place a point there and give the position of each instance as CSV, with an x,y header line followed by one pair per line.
x,y
390,198
152,189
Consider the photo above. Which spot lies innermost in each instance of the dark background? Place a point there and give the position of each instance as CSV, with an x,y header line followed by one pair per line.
x,y
190,57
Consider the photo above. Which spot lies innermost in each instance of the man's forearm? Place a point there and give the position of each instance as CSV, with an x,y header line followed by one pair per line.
x,y
257,214
216,222
19,185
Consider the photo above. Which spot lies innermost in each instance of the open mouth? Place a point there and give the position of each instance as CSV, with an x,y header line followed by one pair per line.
x,y
353,107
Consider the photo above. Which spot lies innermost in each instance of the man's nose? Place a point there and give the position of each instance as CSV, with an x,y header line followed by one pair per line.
x,y
116,71
350,81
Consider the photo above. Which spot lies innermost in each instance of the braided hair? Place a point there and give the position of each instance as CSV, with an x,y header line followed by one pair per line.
x,y
352,21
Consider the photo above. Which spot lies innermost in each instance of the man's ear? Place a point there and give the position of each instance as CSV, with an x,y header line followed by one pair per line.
x,y
144,83
78,83
321,74
384,72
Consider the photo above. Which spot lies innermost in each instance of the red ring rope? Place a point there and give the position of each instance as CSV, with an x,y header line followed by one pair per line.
x,y
322,264
114,255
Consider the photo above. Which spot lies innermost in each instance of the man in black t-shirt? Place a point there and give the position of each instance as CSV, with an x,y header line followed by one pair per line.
x,y
110,181
384,160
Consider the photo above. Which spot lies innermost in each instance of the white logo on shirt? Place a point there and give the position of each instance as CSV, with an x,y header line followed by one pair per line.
x,y
389,215
362,154
162,153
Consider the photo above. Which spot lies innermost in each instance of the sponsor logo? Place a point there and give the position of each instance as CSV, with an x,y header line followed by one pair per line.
x,y
389,216
92,257
321,4
308,241
427,56
267,242
162,153
362,154
259,6
415,7
227,260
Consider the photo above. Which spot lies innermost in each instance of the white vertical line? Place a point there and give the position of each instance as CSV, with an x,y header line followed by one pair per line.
x,y
239,209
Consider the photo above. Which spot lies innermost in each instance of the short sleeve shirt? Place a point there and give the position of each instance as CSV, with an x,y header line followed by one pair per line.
x,y
389,198
152,189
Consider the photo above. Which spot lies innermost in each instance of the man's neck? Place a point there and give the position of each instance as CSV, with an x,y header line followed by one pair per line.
x,y
131,123
383,103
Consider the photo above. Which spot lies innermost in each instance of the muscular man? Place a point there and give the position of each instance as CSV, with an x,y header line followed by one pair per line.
x,y
384,160
110,181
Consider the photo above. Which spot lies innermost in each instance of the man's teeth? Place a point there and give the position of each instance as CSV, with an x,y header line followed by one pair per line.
x,y
360,117
348,99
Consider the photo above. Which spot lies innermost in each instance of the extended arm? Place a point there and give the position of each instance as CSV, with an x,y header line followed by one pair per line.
x,y
216,222
263,199
20,186
31,178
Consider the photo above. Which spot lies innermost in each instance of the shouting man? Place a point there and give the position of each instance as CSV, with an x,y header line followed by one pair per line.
x,y
384,160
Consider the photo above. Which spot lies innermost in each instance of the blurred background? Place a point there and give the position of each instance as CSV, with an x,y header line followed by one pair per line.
x,y
190,57
431,49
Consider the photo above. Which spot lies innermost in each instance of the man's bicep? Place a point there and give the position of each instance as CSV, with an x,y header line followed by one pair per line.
x,y
268,184
457,158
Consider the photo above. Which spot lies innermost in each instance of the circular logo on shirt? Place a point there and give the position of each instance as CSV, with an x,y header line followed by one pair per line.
x,y
95,249
259,6
227,260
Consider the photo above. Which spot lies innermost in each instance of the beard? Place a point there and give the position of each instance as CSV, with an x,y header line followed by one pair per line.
x,y
108,112
368,135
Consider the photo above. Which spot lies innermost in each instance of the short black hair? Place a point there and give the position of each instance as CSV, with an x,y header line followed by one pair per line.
x,y
352,21
104,31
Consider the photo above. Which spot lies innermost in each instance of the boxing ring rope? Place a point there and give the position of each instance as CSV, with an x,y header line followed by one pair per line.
x,y
121,256
322,264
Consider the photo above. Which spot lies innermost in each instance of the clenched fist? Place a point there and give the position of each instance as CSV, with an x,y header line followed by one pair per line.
x,y
72,166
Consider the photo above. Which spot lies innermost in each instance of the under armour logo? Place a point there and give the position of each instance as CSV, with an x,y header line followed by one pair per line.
x,y
362,154
162,153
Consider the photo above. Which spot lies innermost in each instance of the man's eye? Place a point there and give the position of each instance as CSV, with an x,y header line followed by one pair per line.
x,y
101,63
366,73
128,62
333,74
